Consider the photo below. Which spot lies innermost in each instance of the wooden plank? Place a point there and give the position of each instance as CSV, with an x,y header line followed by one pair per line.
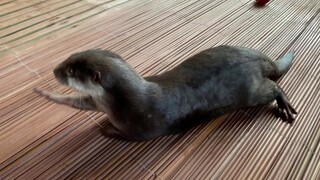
x,y
44,140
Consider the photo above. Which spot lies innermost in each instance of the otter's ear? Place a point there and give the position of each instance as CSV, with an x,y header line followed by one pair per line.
x,y
96,77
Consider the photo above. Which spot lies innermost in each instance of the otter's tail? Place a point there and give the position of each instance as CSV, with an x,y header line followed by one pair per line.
x,y
283,64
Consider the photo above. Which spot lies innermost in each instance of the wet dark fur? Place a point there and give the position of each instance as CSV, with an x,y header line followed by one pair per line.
x,y
205,86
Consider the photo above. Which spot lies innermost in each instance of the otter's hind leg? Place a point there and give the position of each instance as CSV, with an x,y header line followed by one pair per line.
x,y
270,91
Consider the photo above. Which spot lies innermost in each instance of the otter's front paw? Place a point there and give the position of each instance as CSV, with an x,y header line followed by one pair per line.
x,y
48,95
41,92
112,132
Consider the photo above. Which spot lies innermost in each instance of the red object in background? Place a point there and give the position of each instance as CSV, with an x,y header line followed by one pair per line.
x,y
262,2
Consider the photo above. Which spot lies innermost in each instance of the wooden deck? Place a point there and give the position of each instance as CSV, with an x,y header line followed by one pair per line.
x,y
39,139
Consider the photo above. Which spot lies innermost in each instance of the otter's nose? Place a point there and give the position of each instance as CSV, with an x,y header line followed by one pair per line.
x,y
59,75
56,71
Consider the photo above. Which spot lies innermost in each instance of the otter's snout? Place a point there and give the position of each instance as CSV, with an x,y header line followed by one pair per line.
x,y
60,75
56,71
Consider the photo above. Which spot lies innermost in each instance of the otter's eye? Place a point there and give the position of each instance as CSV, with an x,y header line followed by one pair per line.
x,y
70,72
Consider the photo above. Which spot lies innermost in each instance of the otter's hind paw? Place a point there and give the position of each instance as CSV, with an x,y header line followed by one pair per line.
x,y
285,110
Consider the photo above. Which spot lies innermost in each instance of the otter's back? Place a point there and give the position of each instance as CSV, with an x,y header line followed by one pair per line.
x,y
214,62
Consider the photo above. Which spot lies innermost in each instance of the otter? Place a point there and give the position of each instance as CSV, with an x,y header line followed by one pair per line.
x,y
211,83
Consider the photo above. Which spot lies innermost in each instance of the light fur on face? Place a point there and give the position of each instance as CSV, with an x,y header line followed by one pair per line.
x,y
93,89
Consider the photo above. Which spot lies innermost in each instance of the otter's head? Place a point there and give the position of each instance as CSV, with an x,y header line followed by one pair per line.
x,y
83,72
